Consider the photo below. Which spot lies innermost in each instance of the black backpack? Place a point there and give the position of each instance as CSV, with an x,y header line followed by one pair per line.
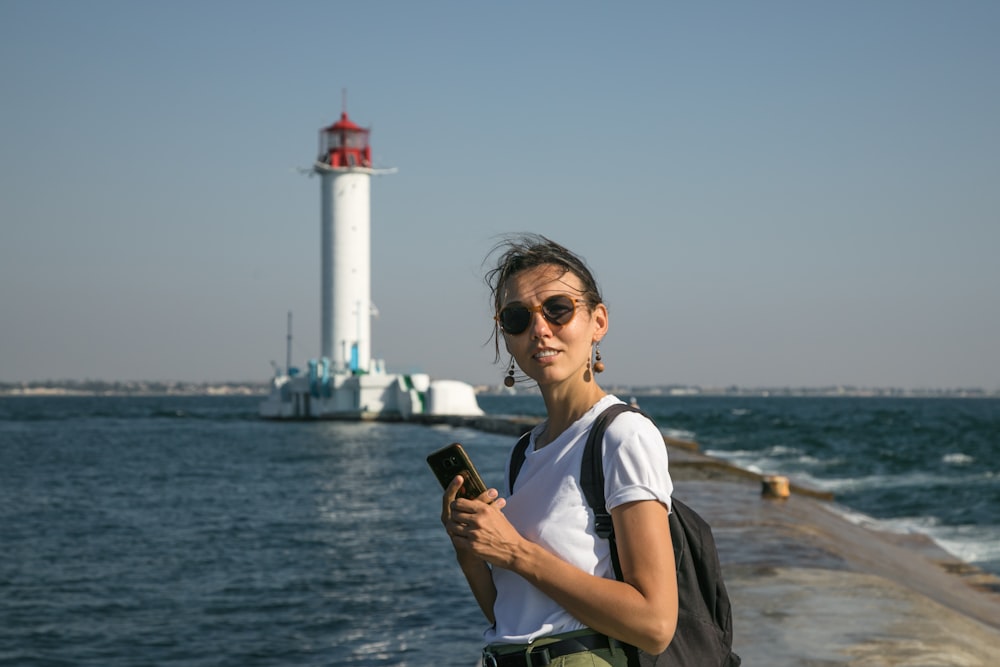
x,y
704,635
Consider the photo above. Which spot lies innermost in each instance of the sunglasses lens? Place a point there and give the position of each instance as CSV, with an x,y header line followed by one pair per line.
x,y
558,309
515,319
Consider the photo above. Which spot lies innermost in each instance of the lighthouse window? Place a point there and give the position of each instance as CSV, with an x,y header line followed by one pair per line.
x,y
330,142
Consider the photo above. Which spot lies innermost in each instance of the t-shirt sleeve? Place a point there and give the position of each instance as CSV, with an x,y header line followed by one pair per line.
x,y
635,462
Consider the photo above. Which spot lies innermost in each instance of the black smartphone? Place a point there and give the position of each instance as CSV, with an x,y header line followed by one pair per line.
x,y
452,460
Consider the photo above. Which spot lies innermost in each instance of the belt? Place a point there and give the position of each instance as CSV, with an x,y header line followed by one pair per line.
x,y
546,653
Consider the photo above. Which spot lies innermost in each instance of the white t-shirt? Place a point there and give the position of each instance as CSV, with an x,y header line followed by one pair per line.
x,y
548,507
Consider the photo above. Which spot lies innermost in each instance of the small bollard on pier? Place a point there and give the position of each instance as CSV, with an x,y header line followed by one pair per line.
x,y
775,487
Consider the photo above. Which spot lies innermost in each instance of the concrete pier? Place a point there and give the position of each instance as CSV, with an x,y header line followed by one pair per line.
x,y
811,588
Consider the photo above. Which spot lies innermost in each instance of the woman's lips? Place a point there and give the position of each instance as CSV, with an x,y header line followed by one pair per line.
x,y
542,355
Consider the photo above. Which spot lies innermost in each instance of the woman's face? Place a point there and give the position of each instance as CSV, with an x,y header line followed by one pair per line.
x,y
551,353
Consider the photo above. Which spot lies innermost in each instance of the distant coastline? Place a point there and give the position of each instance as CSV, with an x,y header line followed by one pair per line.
x,y
131,388
170,388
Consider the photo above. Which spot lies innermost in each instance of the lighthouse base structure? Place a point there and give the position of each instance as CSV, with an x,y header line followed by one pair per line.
x,y
368,396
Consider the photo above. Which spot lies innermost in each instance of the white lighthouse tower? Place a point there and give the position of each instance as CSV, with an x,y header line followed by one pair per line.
x,y
346,382
345,168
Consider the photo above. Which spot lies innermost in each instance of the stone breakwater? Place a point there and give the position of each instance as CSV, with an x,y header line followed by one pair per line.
x,y
810,587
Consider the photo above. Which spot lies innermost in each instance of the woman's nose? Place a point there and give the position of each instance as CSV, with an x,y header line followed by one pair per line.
x,y
539,326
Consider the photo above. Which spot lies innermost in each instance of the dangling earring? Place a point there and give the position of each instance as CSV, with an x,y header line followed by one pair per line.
x,y
598,364
509,380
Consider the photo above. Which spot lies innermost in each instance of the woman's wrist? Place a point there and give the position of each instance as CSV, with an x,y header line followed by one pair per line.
x,y
468,560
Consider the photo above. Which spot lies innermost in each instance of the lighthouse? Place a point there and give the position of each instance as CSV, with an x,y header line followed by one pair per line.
x,y
345,168
346,381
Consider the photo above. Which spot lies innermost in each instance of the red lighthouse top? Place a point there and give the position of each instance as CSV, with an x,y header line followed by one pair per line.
x,y
344,144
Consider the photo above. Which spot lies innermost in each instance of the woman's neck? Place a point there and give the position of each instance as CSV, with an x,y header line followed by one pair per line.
x,y
565,407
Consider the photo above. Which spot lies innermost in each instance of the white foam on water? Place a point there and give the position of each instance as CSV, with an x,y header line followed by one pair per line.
x,y
969,543
678,434
861,519
973,544
976,544
957,459
782,450
775,460
916,479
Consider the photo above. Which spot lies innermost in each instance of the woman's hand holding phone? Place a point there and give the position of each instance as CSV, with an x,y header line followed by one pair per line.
x,y
470,512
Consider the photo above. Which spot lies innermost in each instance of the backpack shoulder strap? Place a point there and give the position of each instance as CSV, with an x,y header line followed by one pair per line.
x,y
592,477
517,460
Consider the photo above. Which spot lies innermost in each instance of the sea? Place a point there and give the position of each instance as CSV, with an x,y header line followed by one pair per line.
x,y
185,531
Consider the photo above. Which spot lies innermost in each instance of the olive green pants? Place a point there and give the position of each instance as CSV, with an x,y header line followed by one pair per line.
x,y
605,657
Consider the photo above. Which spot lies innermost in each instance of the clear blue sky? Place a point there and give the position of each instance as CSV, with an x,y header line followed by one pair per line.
x,y
771,193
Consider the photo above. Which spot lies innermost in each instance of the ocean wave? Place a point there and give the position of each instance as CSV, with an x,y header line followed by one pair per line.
x,y
971,543
856,517
779,459
678,434
808,469
957,459
915,479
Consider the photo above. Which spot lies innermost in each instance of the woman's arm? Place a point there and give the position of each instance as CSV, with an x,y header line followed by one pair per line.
x,y
477,572
641,610
480,579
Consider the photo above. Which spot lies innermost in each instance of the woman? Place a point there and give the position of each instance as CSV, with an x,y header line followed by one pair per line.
x,y
534,563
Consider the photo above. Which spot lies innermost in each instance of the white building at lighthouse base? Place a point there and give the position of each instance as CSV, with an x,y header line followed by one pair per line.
x,y
320,394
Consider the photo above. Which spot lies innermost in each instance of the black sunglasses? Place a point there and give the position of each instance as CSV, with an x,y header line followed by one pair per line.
x,y
558,310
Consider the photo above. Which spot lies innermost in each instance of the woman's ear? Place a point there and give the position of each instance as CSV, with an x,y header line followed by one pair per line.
x,y
600,318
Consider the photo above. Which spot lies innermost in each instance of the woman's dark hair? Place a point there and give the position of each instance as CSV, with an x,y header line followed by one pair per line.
x,y
518,253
